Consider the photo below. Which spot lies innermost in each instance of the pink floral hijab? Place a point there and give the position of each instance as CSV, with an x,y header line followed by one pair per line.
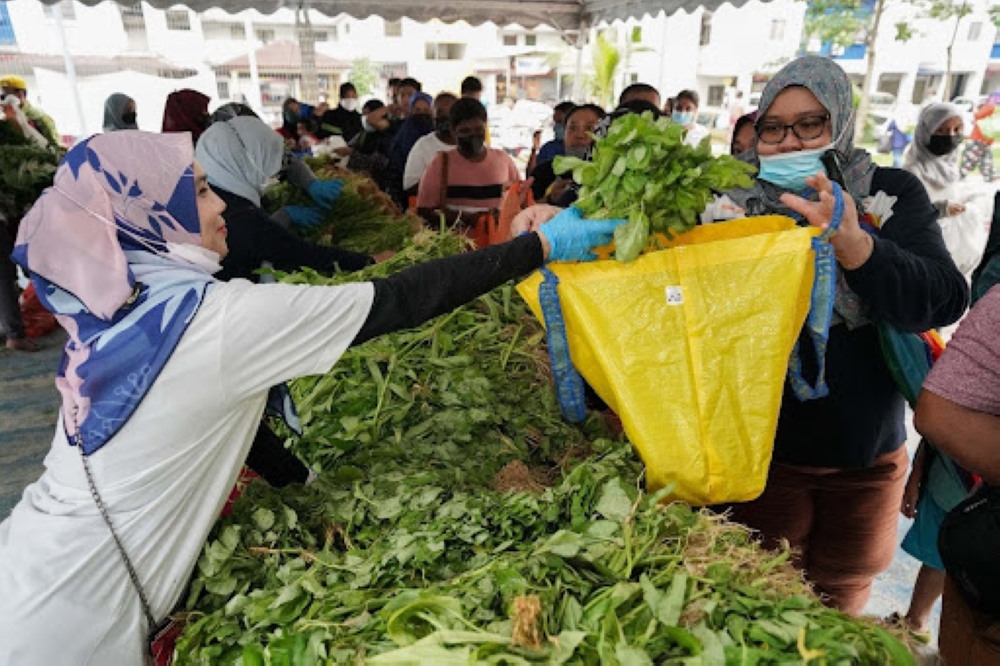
x,y
114,250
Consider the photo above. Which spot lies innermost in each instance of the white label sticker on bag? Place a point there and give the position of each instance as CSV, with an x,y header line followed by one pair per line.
x,y
675,296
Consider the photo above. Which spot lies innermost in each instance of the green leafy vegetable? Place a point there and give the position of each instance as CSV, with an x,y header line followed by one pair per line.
x,y
643,172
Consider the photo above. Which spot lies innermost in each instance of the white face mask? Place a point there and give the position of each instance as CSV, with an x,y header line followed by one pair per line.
x,y
196,255
349,103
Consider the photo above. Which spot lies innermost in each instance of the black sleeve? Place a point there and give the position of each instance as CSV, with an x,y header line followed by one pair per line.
x,y
413,296
910,279
254,237
544,177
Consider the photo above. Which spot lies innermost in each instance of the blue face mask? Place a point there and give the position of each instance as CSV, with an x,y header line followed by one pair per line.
x,y
560,131
683,118
790,170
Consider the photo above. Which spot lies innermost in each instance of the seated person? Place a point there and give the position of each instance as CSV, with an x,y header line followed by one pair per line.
x,y
186,111
685,114
556,146
581,122
428,146
469,180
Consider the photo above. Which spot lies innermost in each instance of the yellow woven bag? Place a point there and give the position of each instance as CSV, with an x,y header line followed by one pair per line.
x,y
690,346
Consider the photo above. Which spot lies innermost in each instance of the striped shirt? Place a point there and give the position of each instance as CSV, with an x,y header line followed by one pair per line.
x,y
472,186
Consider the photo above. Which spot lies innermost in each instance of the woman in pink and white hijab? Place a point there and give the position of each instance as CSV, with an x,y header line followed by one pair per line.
x,y
164,380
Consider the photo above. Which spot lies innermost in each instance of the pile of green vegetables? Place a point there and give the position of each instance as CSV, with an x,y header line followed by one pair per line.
x,y
25,171
643,172
457,519
363,219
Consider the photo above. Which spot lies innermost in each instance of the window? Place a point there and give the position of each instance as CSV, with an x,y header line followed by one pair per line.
x,y
237,32
178,19
706,29
266,36
633,78
68,11
530,40
444,51
636,34
131,10
975,30
394,28
510,40
715,95
323,36
777,30
223,87
347,28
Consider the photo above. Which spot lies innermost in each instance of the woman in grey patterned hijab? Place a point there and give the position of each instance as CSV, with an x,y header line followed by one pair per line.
x,y
829,84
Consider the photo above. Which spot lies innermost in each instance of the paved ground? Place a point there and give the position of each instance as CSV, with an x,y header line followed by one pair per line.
x,y
28,410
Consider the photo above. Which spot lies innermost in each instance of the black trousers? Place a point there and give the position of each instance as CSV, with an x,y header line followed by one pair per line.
x,y
10,310
276,464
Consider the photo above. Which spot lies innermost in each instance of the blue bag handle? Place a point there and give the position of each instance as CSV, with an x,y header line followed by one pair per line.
x,y
820,309
569,383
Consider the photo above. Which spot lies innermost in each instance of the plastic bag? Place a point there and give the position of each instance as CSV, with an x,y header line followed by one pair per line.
x,y
690,346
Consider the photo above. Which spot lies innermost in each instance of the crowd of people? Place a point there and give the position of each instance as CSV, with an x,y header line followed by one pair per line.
x,y
188,233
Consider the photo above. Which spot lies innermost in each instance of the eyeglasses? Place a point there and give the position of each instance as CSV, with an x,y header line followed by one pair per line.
x,y
805,129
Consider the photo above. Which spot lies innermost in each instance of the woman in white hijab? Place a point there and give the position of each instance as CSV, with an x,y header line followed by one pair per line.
x,y
965,209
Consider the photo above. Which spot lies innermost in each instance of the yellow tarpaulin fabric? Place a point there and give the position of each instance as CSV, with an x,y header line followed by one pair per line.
x,y
690,347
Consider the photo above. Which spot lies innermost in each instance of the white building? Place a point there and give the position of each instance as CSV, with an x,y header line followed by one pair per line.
x,y
147,53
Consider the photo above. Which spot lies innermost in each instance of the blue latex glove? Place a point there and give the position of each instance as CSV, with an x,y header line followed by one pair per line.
x,y
325,192
572,238
304,216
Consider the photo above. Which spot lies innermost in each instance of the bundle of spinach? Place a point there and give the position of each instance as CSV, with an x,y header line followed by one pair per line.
x,y
25,171
412,549
643,172
362,218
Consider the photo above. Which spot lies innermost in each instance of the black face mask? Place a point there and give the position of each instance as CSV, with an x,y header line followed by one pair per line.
x,y
423,120
129,118
471,145
941,145
443,127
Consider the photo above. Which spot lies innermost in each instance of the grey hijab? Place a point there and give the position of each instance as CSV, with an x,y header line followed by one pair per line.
x,y
114,107
935,170
827,81
239,155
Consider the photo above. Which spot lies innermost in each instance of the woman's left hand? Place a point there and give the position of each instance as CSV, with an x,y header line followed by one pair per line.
x,y
531,218
852,245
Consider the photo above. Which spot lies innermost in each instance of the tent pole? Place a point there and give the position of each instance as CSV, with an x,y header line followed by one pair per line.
x,y
70,70
581,41
254,98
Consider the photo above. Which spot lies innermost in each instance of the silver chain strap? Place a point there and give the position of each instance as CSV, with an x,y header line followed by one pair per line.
x,y
78,442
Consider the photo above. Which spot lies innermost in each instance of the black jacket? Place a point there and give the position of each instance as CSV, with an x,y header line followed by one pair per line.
x,y
909,281
340,121
254,238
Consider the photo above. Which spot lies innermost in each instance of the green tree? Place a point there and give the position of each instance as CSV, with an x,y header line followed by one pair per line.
x,y
606,60
364,76
847,22
945,10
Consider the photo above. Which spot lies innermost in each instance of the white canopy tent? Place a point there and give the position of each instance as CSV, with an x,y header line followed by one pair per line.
x,y
572,18
562,14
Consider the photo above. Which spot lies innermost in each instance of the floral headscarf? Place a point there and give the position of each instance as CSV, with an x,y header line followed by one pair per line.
x,y
114,250
827,81
937,170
